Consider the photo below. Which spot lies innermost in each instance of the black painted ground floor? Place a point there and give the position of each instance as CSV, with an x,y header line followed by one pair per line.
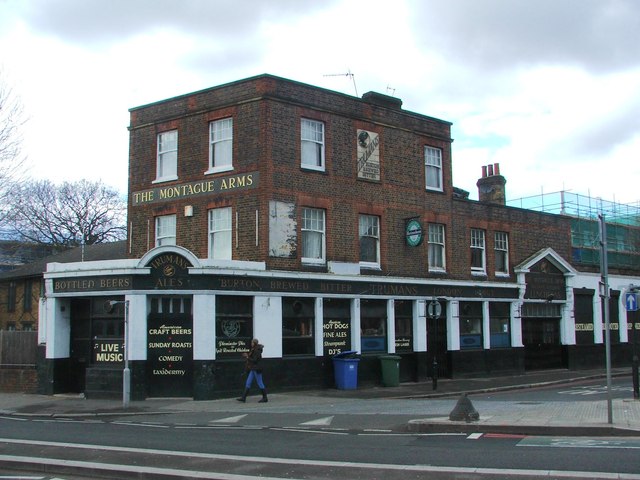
x,y
183,325
225,378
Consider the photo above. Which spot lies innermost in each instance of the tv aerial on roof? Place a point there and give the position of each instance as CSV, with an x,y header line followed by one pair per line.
x,y
349,74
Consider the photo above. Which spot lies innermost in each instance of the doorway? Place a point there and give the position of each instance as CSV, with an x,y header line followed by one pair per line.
x,y
541,340
437,343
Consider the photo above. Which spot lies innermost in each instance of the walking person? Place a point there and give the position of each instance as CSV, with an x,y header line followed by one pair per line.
x,y
254,371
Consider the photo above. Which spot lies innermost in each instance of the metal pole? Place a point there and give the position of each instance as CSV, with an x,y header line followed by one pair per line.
x,y
433,309
604,266
126,374
634,348
634,361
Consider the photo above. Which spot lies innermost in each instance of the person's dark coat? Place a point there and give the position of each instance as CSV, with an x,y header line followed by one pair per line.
x,y
254,358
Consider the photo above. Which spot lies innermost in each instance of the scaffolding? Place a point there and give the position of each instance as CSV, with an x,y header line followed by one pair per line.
x,y
581,206
622,222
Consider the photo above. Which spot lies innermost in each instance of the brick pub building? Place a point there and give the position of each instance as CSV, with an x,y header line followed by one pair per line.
x,y
319,223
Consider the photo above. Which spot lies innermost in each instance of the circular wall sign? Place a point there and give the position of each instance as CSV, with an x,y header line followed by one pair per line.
x,y
413,233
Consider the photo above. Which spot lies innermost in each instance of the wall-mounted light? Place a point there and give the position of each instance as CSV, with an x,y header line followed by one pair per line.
x,y
188,211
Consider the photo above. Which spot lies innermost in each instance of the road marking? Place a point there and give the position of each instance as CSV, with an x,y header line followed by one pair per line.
x,y
595,390
324,422
474,436
303,430
235,419
581,442
13,477
504,435
276,461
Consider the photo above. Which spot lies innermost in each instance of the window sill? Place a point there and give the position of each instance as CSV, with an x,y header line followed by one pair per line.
x,y
370,266
226,168
434,189
502,275
312,169
313,262
165,179
437,271
478,273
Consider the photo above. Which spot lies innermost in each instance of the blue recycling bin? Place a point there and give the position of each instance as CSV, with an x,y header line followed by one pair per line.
x,y
345,367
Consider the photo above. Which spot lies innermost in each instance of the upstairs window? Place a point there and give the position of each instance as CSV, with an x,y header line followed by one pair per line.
x,y
167,162
436,247
165,230
502,253
433,168
313,235
312,147
478,264
221,145
369,229
220,233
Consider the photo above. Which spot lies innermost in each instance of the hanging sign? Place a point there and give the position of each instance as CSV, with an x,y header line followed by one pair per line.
x,y
413,233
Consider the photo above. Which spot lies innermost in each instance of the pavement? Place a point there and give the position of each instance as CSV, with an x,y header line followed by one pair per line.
x,y
411,408
455,405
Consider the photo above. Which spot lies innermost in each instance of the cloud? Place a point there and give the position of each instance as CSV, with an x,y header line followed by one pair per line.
x,y
598,36
601,138
105,22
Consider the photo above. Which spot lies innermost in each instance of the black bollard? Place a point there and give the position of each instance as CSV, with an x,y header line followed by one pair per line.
x,y
634,374
464,411
434,375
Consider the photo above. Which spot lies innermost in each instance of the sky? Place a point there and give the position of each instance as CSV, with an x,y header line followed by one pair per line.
x,y
549,89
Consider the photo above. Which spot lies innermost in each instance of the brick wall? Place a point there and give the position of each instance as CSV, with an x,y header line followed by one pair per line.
x,y
266,112
18,380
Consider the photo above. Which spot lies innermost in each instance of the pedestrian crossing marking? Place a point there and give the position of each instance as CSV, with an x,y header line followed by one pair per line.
x,y
235,419
325,422
474,436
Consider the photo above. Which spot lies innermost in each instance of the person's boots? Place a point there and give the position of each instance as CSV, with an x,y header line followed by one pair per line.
x,y
264,398
243,398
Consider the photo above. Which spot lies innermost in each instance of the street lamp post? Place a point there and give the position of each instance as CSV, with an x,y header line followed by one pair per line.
x,y
434,310
632,307
604,295
126,373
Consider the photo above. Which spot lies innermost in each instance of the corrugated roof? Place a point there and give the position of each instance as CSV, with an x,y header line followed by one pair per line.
x,y
99,251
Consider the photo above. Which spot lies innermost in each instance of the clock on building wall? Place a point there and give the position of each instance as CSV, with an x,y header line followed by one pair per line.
x,y
413,233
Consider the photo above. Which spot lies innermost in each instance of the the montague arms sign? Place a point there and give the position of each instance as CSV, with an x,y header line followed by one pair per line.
x,y
192,189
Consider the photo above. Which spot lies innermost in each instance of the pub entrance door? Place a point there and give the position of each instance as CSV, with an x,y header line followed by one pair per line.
x,y
437,343
170,347
541,338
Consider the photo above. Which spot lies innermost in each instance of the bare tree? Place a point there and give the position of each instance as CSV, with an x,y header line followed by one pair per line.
x,y
12,163
71,214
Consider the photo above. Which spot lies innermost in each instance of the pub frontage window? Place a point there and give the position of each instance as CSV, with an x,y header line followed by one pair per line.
x,y
614,322
470,325
234,325
298,316
583,312
404,325
373,325
499,324
336,325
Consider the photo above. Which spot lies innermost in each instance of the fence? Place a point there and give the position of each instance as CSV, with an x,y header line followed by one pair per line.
x,y
18,348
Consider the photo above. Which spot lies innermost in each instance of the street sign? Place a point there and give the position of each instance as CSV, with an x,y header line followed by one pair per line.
x,y
631,301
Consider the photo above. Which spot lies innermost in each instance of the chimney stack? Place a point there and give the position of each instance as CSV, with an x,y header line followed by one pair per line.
x,y
491,185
